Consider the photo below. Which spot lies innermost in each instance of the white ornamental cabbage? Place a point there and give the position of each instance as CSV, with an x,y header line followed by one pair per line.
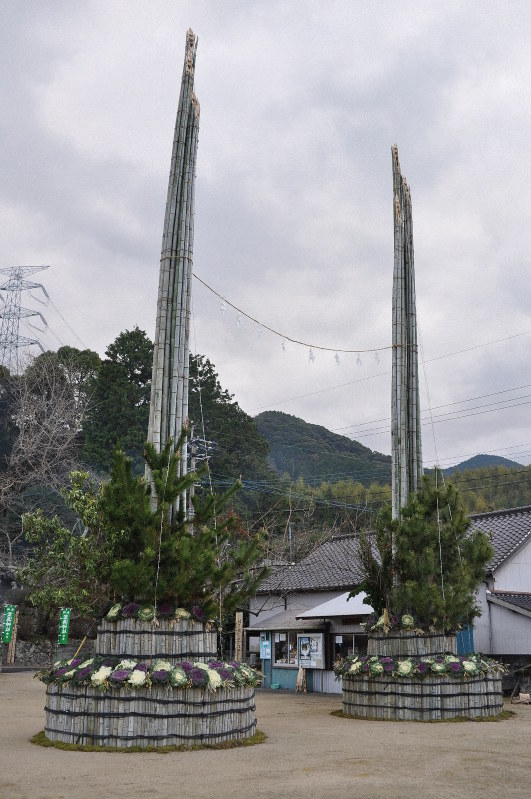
x,y
178,677
404,667
126,664
99,677
137,678
203,666
86,663
114,612
355,668
469,666
214,680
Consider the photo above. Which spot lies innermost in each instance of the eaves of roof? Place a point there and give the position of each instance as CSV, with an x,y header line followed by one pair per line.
x,y
508,531
517,602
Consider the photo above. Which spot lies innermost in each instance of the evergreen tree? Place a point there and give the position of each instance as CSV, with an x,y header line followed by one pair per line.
x,y
130,549
427,563
240,451
204,561
119,408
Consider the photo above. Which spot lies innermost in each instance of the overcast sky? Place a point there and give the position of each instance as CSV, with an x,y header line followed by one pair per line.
x,y
300,105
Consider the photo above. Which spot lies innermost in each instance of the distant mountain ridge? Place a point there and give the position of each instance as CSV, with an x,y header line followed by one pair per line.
x,y
483,462
317,455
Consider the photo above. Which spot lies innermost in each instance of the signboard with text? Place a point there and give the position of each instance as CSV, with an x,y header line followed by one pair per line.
x,y
64,624
9,621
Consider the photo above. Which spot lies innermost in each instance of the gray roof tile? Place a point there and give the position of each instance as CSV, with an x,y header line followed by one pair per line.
x,y
333,565
522,601
507,529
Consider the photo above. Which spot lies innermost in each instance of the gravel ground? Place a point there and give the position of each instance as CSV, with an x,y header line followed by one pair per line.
x,y
308,753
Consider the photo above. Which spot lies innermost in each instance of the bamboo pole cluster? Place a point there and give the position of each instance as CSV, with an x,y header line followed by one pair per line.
x,y
170,640
169,388
159,716
428,699
405,409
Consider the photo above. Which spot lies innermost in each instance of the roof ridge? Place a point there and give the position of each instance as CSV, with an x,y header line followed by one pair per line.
x,y
505,512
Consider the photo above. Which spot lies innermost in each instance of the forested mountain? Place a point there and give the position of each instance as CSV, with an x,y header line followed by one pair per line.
x,y
301,481
317,455
483,462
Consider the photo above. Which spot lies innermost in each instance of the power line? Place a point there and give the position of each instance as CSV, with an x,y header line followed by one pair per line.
x,y
385,373
282,335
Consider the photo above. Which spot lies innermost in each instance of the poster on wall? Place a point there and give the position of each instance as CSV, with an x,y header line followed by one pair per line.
x,y
310,649
265,647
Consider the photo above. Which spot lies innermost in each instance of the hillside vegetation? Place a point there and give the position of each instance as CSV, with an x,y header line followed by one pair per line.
x,y
315,454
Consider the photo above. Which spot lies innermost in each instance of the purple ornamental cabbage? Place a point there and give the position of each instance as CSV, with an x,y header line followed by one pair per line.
x,y
187,666
165,610
130,610
422,667
199,678
161,675
82,674
142,667
119,676
198,613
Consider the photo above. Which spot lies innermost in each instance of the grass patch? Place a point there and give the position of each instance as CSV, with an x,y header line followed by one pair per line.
x,y
40,740
503,716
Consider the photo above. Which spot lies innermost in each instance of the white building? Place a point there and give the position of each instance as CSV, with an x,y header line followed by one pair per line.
x,y
504,627
301,614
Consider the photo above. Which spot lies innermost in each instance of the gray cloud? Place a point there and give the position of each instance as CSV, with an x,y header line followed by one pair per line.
x,y
300,104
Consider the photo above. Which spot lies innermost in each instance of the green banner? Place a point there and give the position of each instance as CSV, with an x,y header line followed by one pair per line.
x,y
9,621
64,624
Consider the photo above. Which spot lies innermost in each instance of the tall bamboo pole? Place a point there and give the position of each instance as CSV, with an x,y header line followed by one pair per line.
x,y
169,387
405,408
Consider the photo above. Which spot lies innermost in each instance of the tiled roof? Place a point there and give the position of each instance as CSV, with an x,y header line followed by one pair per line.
x,y
520,601
333,565
507,529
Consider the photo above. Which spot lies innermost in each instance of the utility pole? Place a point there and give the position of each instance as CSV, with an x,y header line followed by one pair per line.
x,y
11,312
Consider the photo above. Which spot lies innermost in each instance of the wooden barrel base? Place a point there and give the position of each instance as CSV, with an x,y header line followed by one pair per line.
x,y
170,640
428,699
161,716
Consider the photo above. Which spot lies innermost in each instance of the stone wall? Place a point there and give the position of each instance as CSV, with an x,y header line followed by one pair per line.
x,y
39,654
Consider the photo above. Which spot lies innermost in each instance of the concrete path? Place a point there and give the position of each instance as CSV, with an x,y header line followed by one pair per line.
x,y
309,754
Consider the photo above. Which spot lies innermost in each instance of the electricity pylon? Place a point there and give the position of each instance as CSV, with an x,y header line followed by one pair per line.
x,y
11,312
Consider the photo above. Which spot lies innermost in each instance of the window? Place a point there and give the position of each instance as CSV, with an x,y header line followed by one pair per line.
x,y
285,652
349,644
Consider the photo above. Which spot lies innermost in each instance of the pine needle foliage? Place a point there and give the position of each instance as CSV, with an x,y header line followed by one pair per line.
x,y
132,551
201,562
428,563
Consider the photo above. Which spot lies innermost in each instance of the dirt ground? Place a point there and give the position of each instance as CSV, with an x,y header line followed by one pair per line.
x,y
308,754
